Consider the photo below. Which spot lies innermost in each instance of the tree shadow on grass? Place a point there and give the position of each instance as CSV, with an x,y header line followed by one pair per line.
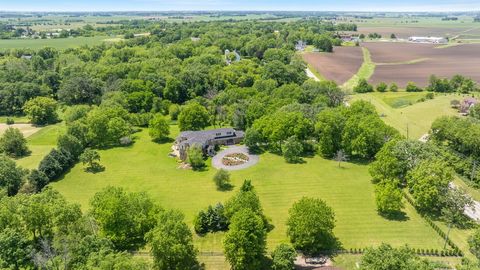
x,y
95,169
395,216
163,140
226,187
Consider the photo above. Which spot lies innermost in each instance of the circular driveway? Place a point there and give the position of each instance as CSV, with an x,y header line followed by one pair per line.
x,y
217,159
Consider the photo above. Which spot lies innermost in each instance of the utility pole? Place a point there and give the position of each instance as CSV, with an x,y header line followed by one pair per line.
x,y
472,175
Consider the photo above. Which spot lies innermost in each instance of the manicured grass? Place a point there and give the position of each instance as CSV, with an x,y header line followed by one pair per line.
x,y
16,119
418,117
364,72
40,144
58,43
146,166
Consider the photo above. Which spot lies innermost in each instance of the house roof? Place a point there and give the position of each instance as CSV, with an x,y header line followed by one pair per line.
x,y
203,136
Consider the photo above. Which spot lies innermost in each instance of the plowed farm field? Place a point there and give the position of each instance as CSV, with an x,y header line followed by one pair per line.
x,y
405,62
338,66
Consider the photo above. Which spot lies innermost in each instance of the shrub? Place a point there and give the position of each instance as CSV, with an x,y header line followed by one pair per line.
x,y
222,179
195,157
10,121
393,87
211,220
382,87
430,95
412,87
363,87
292,150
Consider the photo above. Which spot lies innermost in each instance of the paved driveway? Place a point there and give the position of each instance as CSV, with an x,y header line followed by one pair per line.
x,y
217,159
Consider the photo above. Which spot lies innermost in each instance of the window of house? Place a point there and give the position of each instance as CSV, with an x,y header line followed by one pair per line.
x,y
229,133
218,134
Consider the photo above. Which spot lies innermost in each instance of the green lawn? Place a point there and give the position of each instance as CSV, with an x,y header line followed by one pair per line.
x,y
145,166
58,43
365,71
40,143
417,117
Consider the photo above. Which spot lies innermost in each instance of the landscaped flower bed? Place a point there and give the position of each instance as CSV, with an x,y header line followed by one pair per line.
x,y
235,159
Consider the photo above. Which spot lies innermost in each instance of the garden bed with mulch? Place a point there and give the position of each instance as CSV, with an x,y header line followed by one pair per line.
x,y
235,159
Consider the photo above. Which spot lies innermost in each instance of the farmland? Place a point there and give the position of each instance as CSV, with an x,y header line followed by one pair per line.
x,y
410,62
58,43
338,66
416,62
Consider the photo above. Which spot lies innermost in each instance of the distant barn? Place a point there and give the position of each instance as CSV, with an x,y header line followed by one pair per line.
x,y
434,40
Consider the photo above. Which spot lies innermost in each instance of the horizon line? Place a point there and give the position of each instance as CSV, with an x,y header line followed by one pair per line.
x,y
241,10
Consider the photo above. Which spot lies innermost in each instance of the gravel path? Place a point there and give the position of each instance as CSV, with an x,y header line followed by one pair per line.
x,y
311,75
217,159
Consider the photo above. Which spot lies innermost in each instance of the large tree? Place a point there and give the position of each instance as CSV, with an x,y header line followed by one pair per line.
x,y
13,143
193,117
41,110
159,129
123,217
428,183
80,89
283,257
171,243
310,226
245,242
11,176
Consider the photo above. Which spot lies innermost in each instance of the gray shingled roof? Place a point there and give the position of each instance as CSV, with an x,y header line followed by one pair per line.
x,y
203,136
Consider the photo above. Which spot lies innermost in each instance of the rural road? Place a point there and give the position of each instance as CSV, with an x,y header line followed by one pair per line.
x,y
471,212
311,75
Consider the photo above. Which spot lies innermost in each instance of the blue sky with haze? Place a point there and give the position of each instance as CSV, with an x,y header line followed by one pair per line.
x,y
308,5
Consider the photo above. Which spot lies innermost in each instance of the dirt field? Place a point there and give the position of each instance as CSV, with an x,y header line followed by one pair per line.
x,y
404,62
405,32
338,66
26,129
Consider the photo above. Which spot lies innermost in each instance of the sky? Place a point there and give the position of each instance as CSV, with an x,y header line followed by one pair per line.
x,y
272,5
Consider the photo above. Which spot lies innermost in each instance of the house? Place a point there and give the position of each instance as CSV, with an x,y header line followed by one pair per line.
x,y
206,139
300,46
434,40
228,56
467,104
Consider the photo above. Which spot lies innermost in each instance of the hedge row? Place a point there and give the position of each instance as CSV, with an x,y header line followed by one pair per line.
x,y
455,251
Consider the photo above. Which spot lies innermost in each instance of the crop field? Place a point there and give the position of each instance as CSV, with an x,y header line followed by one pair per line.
x,y
338,66
404,27
347,190
59,43
416,62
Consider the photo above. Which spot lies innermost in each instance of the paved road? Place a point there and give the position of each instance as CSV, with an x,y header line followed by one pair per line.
x,y
217,159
